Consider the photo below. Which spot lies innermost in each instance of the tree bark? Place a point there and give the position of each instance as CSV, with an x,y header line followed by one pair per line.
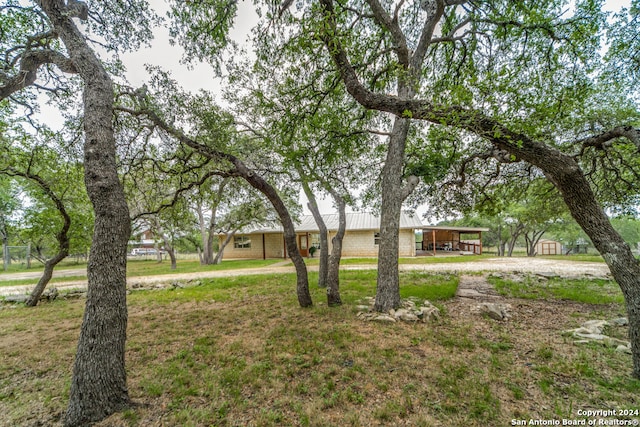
x,y
333,273
565,173
515,231
257,182
324,239
218,259
208,257
63,242
532,240
388,283
99,385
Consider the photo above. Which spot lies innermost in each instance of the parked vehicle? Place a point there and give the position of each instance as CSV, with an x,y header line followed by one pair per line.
x,y
144,251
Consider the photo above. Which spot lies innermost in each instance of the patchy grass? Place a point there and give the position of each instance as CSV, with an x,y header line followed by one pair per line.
x,y
239,351
575,257
590,291
153,268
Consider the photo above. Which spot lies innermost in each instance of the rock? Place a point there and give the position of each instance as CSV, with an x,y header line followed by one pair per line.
x,y
363,308
620,321
428,312
591,331
385,318
16,299
50,294
176,285
493,310
405,315
547,274
623,349
595,325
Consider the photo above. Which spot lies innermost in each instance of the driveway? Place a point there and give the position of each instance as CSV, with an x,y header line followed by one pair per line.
x,y
558,267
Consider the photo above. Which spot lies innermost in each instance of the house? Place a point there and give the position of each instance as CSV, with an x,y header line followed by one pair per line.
x,y
361,239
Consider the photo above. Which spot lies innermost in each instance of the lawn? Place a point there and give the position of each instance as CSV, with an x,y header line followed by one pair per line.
x,y
240,352
144,267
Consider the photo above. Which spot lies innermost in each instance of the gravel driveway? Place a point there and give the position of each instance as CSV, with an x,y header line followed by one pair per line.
x,y
558,267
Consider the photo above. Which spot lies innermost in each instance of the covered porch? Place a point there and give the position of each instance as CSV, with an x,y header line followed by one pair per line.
x,y
447,240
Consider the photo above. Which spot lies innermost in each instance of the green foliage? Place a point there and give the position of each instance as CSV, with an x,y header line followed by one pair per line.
x,y
580,290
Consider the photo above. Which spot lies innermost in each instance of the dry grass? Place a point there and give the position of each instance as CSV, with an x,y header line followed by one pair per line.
x,y
241,353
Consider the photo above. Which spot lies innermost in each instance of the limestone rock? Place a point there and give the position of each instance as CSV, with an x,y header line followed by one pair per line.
x,y
623,349
16,299
494,311
620,321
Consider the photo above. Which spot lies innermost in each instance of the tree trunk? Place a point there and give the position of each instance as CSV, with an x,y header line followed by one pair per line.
x,y
98,385
218,259
333,276
515,233
5,253
324,239
257,182
565,173
533,241
203,234
208,257
388,285
62,237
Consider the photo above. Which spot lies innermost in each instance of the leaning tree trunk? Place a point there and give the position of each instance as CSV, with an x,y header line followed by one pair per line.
x,y
322,228
333,276
257,182
566,175
62,236
218,259
99,384
388,285
63,252
260,184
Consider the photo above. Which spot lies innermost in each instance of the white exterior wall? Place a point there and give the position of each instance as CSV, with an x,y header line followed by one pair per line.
x,y
254,252
274,244
407,243
362,243
359,243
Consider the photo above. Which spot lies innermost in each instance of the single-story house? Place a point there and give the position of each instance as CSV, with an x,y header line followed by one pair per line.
x,y
361,239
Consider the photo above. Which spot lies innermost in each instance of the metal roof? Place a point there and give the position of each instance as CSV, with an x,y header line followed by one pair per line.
x,y
355,221
455,228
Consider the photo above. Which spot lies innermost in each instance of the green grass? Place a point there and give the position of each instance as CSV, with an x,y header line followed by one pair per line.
x,y
240,351
146,267
589,291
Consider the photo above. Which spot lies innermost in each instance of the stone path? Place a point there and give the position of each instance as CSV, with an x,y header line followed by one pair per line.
x,y
477,288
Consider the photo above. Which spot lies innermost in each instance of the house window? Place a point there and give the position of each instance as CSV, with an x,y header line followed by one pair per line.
x,y
376,238
241,242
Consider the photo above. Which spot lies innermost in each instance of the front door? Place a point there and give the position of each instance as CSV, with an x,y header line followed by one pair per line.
x,y
303,244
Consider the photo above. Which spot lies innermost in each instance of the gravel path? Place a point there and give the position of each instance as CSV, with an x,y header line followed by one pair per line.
x,y
562,268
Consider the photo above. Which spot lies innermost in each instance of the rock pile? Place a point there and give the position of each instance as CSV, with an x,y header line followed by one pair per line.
x,y
411,310
592,331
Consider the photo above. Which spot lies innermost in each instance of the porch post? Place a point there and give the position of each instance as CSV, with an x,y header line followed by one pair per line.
x,y
480,239
433,234
264,248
